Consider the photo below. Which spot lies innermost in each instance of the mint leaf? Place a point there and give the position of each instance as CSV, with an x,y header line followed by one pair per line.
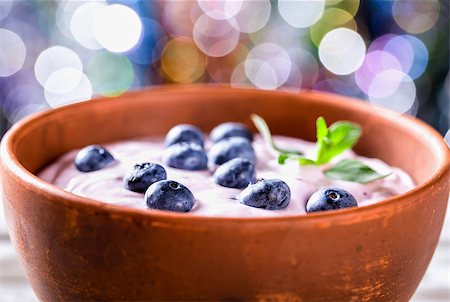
x,y
321,128
283,157
353,170
334,140
264,131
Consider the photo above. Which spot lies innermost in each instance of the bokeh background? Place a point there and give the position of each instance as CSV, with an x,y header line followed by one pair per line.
x,y
393,54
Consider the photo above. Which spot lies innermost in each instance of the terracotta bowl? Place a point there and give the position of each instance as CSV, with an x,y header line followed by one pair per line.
x,y
78,249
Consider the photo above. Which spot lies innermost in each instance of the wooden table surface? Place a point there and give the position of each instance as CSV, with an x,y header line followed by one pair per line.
x,y
14,287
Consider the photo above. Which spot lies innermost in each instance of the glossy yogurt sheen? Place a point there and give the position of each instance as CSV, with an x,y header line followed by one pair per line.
x,y
211,199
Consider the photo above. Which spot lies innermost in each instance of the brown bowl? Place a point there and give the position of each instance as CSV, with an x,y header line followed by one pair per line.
x,y
78,249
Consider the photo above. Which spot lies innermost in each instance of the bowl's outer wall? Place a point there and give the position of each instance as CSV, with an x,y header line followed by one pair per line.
x,y
75,250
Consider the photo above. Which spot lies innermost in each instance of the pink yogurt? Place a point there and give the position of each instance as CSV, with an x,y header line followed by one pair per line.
x,y
211,199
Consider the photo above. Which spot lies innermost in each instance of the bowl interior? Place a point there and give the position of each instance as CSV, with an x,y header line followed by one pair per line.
x,y
399,141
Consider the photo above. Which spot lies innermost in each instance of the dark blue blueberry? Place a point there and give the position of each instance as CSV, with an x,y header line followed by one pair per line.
x,y
230,148
230,129
169,195
269,194
186,156
327,199
142,176
93,157
184,133
236,173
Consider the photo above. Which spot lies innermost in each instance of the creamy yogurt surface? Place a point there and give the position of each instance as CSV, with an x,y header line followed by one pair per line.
x,y
106,185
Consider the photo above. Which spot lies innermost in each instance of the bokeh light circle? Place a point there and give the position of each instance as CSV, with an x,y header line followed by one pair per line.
x,y
306,64
394,90
301,13
350,6
402,50
215,37
12,53
415,16
110,74
342,51
81,24
117,28
53,59
252,16
176,18
182,61
149,49
80,92
332,18
63,80
420,61
375,62
268,66
223,9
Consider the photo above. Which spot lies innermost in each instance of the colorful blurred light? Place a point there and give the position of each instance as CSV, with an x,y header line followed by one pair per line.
x,y
53,59
182,61
82,91
420,60
117,28
264,43
268,66
392,89
110,74
12,53
252,16
223,9
332,18
176,18
306,64
215,37
374,63
350,6
425,12
301,13
82,21
342,51
63,80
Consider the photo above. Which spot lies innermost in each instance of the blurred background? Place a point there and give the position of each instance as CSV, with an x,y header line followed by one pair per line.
x,y
393,54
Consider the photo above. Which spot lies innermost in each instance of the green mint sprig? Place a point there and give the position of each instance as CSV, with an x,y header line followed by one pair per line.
x,y
264,131
331,141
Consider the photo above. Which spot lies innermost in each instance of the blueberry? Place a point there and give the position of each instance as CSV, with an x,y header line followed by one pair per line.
x,y
186,156
236,173
269,194
142,176
93,157
230,129
169,195
184,133
230,148
330,199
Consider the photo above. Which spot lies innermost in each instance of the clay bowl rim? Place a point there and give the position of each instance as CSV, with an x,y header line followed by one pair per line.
x,y
34,183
